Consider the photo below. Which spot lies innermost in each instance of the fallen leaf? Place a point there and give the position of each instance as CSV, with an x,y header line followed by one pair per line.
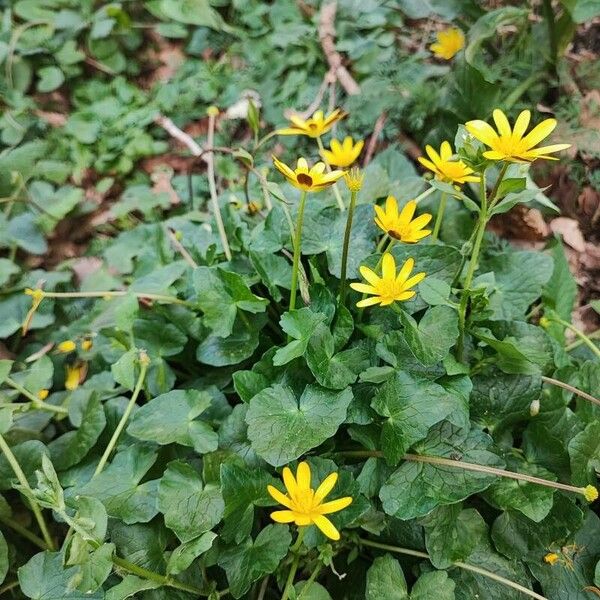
x,y
569,229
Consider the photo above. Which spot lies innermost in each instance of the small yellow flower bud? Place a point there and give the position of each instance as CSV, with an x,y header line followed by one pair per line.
x,y
544,322
178,235
354,179
66,346
534,408
253,207
551,558
73,376
43,394
37,295
87,345
590,492
212,111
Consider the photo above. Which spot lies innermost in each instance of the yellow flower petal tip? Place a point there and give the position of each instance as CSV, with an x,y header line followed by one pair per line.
x,y
449,42
86,345
43,394
551,558
37,294
390,287
314,127
590,493
354,179
305,178
342,154
304,505
400,224
445,167
66,346
74,375
511,144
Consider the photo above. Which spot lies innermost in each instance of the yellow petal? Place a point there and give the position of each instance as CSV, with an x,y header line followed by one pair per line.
x,y
302,520
369,275
298,121
327,527
494,155
283,516
325,487
279,496
335,505
405,271
406,296
283,168
318,168
414,280
433,155
391,207
363,288
446,151
539,132
303,476
290,482
328,156
302,165
368,302
552,148
421,221
290,131
427,164
388,267
407,213
482,131
502,123
521,124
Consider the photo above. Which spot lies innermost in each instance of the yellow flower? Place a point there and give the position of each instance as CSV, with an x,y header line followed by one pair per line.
x,y
513,145
342,154
354,179
389,287
551,558
314,127
591,493
74,374
313,179
66,346
305,505
449,42
37,296
401,226
445,169
43,394
86,344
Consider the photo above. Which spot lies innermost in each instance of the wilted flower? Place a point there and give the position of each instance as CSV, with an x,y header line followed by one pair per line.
x,y
354,179
305,505
449,42
308,179
314,127
74,374
342,154
446,169
513,145
388,288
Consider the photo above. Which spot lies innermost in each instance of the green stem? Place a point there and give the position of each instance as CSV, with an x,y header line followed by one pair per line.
x,y
480,230
310,581
297,249
115,436
424,194
36,402
112,294
292,574
439,217
584,338
551,25
460,565
592,336
492,198
572,389
34,539
336,191
345,250
16,467
514,96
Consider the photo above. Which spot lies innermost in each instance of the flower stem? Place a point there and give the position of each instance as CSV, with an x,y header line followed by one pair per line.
x,y
571,389
439,217
212,186
117,293
464,300
592,336
297,249
461,565
584,338
36,402
336,191
424,194
144,362
345,250
16,467
294,550
34,539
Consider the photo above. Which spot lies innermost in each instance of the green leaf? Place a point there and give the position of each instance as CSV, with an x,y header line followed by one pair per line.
x,y
311,591
172,418
45,578
3,558
281,427
183,556
436,585
242,489
434,335
68,449
385,580
124,370
119,487
299,324
96,568
533,500
29,455
435,291
584,451
189,507
411,404
582,10
439,261
451,534
129,586
416,488
192,12
247,562
51,78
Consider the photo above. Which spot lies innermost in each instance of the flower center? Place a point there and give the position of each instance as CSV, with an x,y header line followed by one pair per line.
x,y
304,179
396,233
304,500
